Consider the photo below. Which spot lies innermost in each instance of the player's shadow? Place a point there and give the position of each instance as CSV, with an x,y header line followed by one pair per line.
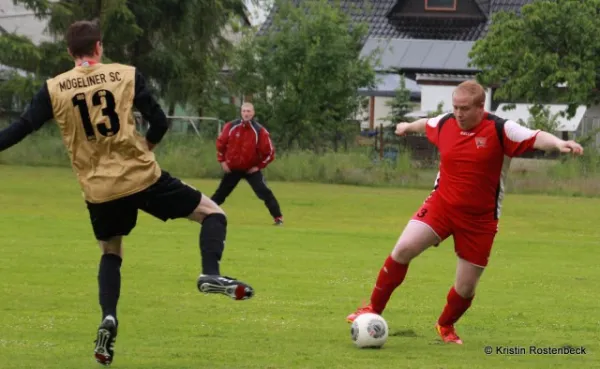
x,y
404,333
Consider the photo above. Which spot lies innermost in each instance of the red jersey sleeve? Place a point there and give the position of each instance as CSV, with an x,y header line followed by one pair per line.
x,y
431,128
265,148
222,142
518,139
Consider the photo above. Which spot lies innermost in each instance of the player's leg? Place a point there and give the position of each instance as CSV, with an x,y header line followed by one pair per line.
x,y
428,227
259,186
226,186
473,246
110,221
170,198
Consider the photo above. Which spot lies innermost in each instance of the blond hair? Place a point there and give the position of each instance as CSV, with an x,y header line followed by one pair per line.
x,y
474,89
247,105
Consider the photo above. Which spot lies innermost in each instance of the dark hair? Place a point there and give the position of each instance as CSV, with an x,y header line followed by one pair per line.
x,y
82,37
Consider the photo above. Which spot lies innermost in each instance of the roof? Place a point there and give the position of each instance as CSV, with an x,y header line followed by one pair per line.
x,y
387,83
420,54
445,77
381,26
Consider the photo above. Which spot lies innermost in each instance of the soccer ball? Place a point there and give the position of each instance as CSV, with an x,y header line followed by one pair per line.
x,y
369,331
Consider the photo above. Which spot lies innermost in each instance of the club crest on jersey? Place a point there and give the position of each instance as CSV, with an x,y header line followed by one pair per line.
x,y
480,142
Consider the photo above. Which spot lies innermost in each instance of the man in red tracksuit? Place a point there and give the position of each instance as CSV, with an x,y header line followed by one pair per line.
x,y
244,148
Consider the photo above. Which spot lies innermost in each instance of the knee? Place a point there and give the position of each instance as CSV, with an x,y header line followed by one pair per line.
x,y
465,289
112,246
467,278
216,217
215,209
404,252
206,208
218,212
267,195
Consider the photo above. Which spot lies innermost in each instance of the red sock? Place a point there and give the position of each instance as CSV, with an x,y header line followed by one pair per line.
x,y
390,276
454,309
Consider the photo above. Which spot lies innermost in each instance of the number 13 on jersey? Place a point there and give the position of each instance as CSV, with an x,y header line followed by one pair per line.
x,y
110,125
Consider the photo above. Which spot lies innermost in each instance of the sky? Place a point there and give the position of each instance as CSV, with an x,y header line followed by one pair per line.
x,y
258,15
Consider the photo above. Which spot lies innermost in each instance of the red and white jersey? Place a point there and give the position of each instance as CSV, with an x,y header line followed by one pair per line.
x,y
474,163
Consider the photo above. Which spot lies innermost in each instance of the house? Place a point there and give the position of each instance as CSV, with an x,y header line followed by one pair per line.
x,y
429,42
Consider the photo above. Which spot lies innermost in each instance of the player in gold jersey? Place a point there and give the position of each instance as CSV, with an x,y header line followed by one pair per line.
x,y
93,106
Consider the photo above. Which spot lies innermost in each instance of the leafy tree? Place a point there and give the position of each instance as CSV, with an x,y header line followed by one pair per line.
x,y
178,44
549,54
541,118
304,73
439,110
400,105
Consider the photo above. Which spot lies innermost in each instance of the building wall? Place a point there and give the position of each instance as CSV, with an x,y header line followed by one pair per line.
x,y
18,19
590,123
432,95
380,112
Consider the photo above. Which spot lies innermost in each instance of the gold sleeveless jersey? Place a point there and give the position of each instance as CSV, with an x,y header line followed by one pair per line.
x,y
93,107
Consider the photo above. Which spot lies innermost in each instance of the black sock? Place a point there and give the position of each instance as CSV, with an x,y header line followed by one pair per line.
x,y
212,242
109,284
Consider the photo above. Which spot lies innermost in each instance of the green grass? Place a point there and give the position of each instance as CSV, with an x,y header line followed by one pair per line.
x,y
540,288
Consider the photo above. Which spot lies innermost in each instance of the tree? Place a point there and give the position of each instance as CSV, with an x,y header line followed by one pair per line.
x,y
549,54
400,105
305,72
541,118
178,44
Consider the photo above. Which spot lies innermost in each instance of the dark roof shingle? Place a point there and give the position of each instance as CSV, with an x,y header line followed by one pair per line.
x,y
380,26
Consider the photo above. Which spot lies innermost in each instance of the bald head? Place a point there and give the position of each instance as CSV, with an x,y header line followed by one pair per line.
x,y
468,100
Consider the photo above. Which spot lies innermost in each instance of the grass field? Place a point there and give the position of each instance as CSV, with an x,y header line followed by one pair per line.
x,y
541,287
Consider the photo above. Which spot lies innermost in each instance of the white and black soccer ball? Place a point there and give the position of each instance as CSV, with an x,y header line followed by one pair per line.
x,y
369,331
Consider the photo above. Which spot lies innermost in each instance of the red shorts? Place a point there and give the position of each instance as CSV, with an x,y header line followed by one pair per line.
x,y
473,236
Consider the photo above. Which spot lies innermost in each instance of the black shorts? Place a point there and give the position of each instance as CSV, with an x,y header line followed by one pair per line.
x,y
168,198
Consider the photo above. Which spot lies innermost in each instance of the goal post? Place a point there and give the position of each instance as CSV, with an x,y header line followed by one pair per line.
x,y
186,122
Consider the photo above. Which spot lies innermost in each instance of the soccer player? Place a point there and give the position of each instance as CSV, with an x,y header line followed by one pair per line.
x,y
244,149
117,170
475,149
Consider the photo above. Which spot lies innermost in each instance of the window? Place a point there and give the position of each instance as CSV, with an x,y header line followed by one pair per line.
x,y
444,5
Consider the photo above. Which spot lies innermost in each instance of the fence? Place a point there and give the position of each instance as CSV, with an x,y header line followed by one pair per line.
x,y
209,127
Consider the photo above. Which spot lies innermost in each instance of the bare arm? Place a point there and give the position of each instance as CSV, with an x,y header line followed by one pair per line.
x,y
547,142
418,126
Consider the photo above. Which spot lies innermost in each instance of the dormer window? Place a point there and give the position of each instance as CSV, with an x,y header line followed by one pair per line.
x,y
440,5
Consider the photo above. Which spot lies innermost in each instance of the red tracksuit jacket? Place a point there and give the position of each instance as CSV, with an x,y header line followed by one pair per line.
x,y
243,145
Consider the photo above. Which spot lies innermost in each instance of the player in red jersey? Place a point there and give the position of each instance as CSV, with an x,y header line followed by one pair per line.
x,y
475,150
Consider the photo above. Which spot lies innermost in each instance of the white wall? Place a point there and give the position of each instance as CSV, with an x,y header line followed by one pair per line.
x,y
381,111
431,96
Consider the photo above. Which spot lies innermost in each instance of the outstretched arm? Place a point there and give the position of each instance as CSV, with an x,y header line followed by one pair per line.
x,y
267,151
38,112
151,111
519,139
222,141
418,126
548,142
429,126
